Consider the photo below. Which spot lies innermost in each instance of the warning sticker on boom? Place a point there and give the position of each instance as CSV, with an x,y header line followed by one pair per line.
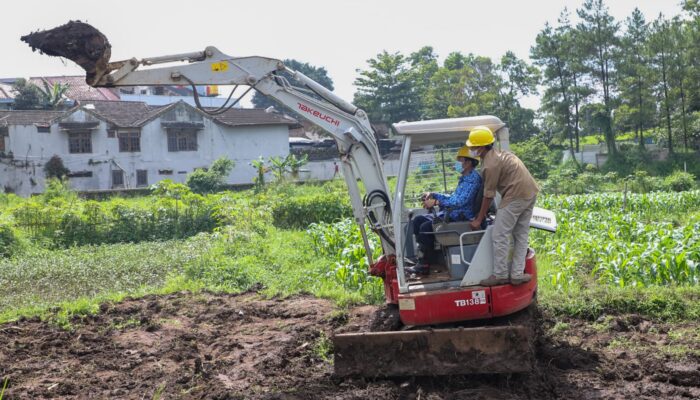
x,y
220,66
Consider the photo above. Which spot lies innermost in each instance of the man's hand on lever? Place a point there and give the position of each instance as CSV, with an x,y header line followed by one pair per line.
x,y
428,201
476,222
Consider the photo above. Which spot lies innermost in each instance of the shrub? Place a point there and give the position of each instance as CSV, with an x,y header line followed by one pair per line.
x,y
211,180
57,189
641,182
57,221
679,181
300,212
10,242
54,168
536,156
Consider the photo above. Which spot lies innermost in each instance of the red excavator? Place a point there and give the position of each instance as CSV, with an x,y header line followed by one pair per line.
x,y
434,339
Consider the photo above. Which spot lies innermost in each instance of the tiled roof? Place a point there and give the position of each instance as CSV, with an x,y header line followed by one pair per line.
x,y
131,114
78,89
253,116
29,117
121,113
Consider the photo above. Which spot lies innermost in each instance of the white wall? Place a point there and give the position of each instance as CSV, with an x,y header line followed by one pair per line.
x,y
32,149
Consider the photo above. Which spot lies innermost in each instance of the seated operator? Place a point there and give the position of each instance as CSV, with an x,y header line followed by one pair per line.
x,y
455,207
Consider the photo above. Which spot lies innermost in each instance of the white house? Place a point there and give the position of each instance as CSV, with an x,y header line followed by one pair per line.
x,y
117,144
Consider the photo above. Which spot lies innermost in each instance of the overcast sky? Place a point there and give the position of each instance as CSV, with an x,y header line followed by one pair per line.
x,y
339,35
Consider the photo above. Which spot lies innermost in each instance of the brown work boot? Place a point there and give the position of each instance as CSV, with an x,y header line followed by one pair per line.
x,y
493,280
519,280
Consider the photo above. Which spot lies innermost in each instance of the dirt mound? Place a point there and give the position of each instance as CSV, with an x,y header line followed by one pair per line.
x,y
76,41
207,346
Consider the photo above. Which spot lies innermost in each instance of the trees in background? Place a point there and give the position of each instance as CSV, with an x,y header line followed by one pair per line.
x,y
387,89
318,74
395,87
596,75
636,107
609,78
27,96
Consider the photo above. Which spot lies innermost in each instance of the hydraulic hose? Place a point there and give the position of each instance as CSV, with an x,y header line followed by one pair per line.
x,y
367,201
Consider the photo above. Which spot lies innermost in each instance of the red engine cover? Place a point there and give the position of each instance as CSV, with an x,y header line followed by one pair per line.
x,y
467,303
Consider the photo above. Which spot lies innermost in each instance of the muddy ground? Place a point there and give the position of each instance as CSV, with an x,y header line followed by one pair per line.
x,y
205,346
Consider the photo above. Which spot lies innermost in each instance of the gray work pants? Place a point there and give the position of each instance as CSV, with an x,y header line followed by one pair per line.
x,y
512,221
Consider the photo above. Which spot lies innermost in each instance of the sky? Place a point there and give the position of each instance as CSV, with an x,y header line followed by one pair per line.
x,y
339,35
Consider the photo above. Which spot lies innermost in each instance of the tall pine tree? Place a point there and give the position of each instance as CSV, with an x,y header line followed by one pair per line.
x,y
600,44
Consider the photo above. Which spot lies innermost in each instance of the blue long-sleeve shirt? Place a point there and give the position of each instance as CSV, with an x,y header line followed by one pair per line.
x,y
461,202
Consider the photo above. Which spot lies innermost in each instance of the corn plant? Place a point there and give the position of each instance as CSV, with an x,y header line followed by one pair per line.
x,y
342,242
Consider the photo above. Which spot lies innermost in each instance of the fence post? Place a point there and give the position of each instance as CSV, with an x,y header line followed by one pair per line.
x,y
624,198
444,173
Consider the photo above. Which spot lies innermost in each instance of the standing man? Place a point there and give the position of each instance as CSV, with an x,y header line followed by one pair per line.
x,y
459,206
505,173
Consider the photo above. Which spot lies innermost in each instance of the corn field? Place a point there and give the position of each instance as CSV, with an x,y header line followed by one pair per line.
x,y
635,240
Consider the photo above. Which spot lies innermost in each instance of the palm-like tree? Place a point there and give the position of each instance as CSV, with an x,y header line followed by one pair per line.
x,y
53,95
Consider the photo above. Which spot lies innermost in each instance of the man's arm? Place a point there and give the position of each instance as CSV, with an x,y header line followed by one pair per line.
x,y
485,204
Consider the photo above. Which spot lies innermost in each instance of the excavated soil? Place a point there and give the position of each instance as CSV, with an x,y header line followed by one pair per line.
x,y
205,346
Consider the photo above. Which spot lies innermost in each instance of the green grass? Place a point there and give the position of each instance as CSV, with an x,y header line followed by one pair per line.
x,y
323,348
583,298
60,284
4,386
644,260
43,278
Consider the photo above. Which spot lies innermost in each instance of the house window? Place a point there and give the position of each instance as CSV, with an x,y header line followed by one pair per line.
x,y
43,129
182,140
141,177
79,174
117,178
80,142
2,144
129,141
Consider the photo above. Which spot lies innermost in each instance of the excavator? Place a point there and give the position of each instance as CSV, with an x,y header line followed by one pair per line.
x,y
446,315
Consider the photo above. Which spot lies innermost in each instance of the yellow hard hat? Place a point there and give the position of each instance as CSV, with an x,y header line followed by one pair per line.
x,y
480,136
464,152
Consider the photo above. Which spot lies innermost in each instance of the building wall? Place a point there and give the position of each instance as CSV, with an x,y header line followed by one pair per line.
x,y
24,173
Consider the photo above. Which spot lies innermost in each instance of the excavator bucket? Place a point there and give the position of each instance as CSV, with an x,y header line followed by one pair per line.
x,y
458,351
76,41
